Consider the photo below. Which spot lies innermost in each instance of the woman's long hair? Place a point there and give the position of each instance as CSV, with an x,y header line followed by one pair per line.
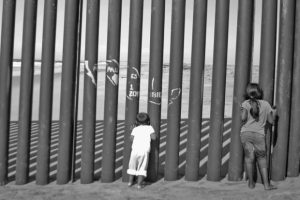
x,y
254,93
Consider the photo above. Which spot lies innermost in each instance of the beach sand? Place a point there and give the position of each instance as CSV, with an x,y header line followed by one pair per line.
x,y
161,190
164,190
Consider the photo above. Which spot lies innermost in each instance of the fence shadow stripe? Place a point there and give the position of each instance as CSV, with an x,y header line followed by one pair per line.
x,y
119,148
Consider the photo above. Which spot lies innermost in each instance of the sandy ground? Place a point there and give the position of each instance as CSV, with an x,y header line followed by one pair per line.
x,y
180,189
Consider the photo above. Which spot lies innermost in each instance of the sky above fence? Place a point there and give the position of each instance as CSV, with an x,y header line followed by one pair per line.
x,y
146,30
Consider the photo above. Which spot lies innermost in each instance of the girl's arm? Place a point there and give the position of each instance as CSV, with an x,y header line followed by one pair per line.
x,y
131,138
153,136
244,115
272,115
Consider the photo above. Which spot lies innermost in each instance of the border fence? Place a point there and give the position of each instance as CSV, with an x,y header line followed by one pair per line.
x,y
68,149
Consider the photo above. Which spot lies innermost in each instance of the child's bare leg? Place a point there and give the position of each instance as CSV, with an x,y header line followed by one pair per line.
x,y
140,181
267,184
249,161
264,174
131,178
250,173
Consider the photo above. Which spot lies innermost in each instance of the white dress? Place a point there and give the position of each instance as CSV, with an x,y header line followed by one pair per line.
x,y
140,149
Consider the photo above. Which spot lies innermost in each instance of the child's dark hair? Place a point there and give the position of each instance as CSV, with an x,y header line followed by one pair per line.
x,y
142,119
254,93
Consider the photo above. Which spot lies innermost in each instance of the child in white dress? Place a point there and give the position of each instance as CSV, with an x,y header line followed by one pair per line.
x,y
141,137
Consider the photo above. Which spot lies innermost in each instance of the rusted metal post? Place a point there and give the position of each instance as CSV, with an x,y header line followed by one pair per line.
x,y
294,146
218,91
133,77
283,93
26,88
196,90
90,92
241,79
67,92
111,90
268,48
76,93
175,89
155,81
46,92
6,66
267,60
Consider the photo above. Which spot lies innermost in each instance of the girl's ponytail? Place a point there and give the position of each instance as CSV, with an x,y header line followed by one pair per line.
x,y
254,93
254,110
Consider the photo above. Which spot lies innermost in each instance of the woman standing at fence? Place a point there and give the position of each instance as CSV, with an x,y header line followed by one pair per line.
x,y
255,113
